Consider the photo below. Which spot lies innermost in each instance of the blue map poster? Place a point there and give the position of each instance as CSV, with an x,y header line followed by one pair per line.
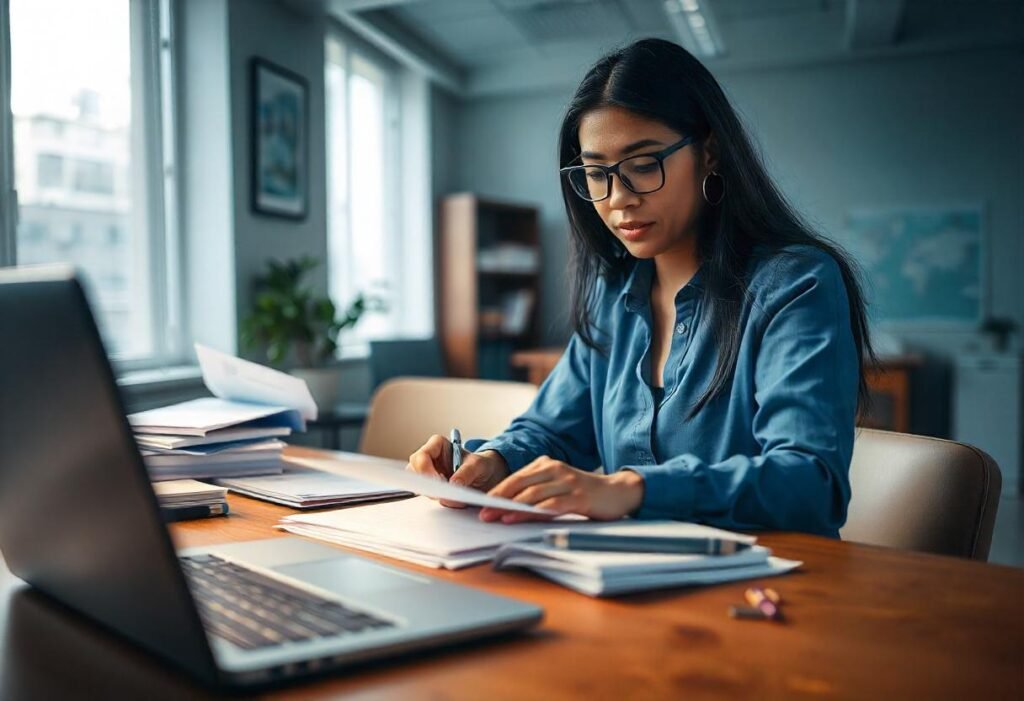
x,y
920,265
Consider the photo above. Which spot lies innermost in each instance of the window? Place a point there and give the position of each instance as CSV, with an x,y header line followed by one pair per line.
x,y
90,123
50,170
94,176
379,218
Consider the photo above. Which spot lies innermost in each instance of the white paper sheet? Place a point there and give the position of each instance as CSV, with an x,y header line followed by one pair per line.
x,y
198,417
418,530
232,378
392,473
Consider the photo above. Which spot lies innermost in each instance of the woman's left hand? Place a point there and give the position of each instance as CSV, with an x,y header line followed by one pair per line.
x,y
552,484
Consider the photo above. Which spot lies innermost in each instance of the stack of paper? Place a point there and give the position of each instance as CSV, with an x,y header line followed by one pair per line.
x,y
306,488
233,434
190,499
606,573
418,530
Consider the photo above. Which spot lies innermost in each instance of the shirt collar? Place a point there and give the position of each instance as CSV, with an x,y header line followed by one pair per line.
x,y
636,292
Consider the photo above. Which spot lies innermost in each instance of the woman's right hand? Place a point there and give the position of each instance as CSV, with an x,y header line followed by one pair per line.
x,y
479,470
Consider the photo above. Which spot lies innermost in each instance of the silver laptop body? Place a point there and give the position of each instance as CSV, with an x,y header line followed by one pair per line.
x,y
79,521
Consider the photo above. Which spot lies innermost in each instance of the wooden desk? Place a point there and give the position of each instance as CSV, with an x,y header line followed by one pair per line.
x,y
862,623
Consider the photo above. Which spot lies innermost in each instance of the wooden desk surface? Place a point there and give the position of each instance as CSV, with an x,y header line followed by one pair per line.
x,y
862,623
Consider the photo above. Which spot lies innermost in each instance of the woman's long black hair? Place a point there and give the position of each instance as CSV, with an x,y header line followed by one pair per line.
x,y
662,81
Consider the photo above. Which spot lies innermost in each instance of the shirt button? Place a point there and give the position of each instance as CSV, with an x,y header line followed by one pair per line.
x,y
681,328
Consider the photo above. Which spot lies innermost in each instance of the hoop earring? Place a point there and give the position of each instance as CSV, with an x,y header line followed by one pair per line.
x,y
718,187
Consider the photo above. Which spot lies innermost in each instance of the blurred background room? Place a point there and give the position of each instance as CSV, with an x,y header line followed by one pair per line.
x,y
407,149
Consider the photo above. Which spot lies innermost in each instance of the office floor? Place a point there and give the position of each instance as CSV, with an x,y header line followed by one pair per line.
x,y
1008,536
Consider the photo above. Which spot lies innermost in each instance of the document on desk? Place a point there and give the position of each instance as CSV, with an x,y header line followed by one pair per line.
x,y
419,530
594,573
305,488
609,573
207,416
392,473
250,401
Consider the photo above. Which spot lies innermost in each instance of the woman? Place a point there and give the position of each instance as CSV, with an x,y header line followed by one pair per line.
x,y
715,370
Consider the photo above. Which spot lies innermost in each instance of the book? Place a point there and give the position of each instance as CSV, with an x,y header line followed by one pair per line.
x,y
188,492
516,308
186,499
307,488
611,573
188,512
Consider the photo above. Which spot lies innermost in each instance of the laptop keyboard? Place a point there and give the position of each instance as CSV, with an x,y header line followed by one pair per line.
x,y
254,611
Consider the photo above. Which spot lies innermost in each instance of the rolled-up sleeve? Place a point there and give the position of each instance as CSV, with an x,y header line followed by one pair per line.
x,y
560,421
806,374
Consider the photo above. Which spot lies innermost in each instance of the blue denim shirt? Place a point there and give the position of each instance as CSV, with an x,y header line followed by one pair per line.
x,y
772,451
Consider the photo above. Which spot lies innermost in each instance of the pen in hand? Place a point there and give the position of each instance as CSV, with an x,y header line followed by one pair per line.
x,y
456,440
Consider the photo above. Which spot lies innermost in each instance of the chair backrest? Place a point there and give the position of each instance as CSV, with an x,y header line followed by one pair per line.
x,y
405,358
921,493
406,411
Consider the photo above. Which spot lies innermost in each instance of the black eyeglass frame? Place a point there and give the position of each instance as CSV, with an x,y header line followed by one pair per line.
x,y
613,169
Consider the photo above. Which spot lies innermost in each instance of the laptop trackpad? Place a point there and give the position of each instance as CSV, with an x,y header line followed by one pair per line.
x,y
351,575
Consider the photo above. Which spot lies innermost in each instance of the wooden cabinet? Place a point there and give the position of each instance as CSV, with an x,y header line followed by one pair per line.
x,y
889,385
489,280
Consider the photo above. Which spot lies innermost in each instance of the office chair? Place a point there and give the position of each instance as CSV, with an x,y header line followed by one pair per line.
x,y
921,493
406,411
405,358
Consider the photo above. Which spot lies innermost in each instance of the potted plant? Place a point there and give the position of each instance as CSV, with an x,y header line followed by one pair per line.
x,y
290,320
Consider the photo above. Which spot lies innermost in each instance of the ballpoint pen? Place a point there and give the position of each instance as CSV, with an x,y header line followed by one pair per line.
x,y
456,439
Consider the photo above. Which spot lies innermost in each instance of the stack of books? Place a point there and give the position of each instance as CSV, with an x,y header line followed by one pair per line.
x,y
235,433
182,500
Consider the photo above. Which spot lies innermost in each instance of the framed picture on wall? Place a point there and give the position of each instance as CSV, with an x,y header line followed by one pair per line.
x,y
280,140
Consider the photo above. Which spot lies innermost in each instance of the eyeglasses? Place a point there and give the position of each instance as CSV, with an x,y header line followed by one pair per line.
x,y
642,174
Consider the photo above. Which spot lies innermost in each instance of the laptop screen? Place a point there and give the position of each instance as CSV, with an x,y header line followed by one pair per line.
x,y
78,517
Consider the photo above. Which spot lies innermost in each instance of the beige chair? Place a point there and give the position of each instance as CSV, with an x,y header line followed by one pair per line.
x,y
406,411
921,493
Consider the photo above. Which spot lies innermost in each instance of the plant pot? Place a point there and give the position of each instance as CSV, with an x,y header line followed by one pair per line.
x,y
324,384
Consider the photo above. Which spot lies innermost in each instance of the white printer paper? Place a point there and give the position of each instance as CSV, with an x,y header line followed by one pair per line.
x,y
239,380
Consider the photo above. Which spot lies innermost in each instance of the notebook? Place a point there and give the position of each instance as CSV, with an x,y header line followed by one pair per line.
x,y
305,488
601,573
187,492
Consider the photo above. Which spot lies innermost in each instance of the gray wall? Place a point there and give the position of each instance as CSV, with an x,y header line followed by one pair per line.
x,y
267,29
921,130
508,150
225,243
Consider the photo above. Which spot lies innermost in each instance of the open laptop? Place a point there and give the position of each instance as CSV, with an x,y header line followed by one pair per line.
x,y
79,521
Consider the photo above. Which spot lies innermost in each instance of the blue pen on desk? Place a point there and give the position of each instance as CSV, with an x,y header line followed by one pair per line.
x,y
456,439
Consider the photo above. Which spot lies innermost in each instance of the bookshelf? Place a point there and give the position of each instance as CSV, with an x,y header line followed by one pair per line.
x,y
489,281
